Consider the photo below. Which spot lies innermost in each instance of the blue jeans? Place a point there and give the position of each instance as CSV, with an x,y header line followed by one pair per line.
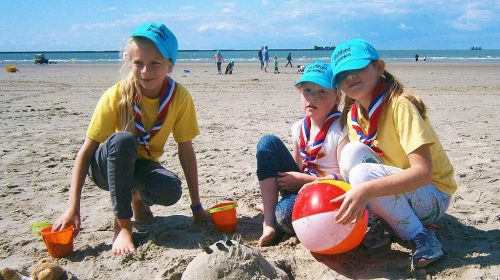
x,y
273,157
115,168
406,213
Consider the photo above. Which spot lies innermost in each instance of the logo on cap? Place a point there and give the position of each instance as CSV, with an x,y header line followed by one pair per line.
x,y
158,30
342,54
318,68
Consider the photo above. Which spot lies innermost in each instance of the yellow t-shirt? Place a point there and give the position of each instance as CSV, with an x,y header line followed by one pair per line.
x,y
181,120
401,130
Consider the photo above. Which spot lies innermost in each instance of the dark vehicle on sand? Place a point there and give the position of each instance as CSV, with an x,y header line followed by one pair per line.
x,y
40,59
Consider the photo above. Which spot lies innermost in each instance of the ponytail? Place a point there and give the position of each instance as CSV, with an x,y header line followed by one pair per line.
x,y
397,89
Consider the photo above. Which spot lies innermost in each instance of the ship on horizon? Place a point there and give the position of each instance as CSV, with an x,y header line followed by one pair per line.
x,y
324,47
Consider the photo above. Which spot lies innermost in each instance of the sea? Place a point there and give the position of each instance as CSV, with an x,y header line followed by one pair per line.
x,y
300,56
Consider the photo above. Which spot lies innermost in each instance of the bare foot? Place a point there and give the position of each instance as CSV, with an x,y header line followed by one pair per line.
x,y
268,235
142,211
122,241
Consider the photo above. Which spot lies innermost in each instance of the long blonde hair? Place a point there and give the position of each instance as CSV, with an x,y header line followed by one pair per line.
x,y
396,89
129,86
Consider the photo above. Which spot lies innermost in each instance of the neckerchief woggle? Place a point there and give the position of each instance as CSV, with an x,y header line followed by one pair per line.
x,y
374,109
309,156
166,97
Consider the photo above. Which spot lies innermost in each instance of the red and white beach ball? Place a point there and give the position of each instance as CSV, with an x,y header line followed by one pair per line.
x,y
313,219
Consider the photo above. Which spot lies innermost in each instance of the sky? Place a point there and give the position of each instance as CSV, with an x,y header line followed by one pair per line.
x,y
50,25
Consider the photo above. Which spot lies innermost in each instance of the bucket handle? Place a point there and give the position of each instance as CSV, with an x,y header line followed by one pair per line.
x,y
222,208
37,227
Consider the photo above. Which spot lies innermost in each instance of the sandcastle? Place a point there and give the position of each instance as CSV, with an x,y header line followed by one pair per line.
x,y
230,259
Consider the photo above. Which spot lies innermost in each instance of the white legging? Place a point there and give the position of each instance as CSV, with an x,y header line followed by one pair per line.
x,y
406,213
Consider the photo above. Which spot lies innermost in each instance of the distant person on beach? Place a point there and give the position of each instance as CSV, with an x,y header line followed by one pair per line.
x,y
395,162
127,135
425,58
265,56
317,141
289,60
416,57
261,59
276,68
218,60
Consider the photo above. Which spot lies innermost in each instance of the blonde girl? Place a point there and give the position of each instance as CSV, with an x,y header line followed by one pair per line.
x,y
394,161
127,134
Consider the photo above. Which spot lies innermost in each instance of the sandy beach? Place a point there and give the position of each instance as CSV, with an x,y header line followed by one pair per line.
x,y
45,110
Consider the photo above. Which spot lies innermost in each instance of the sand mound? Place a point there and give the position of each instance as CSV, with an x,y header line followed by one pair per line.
x,y
231,260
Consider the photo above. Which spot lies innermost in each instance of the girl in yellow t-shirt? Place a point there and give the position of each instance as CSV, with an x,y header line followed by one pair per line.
x,y
126,136
394,162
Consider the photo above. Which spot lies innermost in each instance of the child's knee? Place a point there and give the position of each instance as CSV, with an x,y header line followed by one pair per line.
x,y
124,141
165,198
267,141
360,173
353,154
162,190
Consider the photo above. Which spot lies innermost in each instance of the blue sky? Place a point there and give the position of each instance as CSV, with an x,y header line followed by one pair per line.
x,y
387,24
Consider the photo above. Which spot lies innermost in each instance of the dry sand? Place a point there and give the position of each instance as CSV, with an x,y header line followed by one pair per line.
x,y
44,115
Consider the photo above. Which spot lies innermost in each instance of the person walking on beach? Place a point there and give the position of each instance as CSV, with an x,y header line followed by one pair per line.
x,y
395,162
317,141
219,60
265,56
261,59
127,134
416,57
289,60
276,68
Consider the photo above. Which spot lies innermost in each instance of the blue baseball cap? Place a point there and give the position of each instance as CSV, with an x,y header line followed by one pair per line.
x,y
319,73
352,55
161,36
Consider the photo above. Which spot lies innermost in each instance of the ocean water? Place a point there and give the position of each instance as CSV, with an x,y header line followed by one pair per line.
x,y
250,56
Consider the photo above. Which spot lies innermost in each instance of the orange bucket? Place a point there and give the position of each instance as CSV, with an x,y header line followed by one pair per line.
x,y
59,243
224,216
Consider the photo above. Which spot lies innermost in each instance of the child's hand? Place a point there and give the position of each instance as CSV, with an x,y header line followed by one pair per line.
x,y
353,205
200,216
290,181
67,219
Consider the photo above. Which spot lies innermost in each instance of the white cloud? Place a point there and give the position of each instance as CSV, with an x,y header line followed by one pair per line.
x,y
225,26
473,17
186,8
100,25
292,14
310,34
404,26
363,9
226,7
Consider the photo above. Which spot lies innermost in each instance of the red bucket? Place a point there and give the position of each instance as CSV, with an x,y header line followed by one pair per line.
x,y
59,243
224,216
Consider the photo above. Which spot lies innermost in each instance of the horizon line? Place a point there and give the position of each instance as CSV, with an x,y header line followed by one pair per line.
x,y
213,50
